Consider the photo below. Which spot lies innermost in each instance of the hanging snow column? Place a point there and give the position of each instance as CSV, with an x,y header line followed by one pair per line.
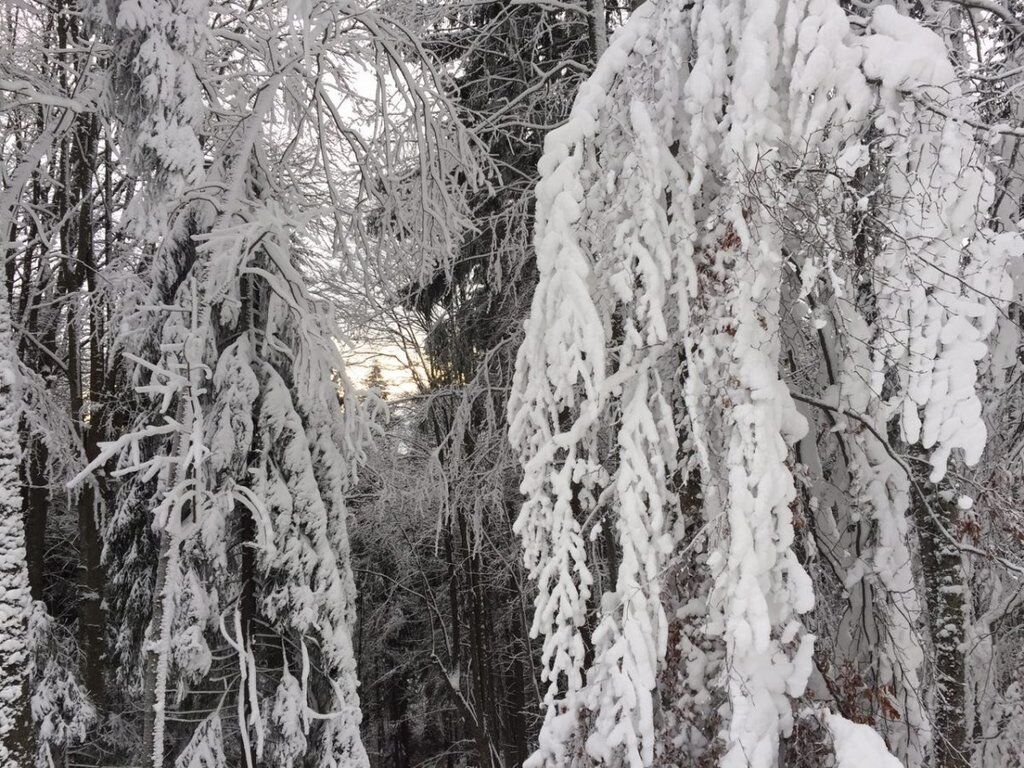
x,y
672,217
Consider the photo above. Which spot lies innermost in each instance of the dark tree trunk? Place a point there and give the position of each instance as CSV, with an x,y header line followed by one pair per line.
x,y
937,517
35,503
90,547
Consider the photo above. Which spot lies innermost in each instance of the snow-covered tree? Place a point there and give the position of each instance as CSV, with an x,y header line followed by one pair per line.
x,y
241,458
765,414
730,168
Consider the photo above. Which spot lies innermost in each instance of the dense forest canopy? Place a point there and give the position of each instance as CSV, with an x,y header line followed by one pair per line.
x,y
511,383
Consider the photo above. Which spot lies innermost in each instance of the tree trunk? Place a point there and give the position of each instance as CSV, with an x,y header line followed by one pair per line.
x,y
35,504
92,621
90,569
937,515
149,680
16,733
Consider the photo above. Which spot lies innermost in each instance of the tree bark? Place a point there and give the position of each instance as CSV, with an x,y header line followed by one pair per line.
x,y
152,654
35,503
937,516
16,732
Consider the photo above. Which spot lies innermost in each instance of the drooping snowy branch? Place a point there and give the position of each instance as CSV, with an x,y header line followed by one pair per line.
x,y
698,193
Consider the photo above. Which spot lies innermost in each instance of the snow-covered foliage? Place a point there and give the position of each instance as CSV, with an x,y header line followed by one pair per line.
x,y
61,710
684,202
157,92
858,746
934,311
206,747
